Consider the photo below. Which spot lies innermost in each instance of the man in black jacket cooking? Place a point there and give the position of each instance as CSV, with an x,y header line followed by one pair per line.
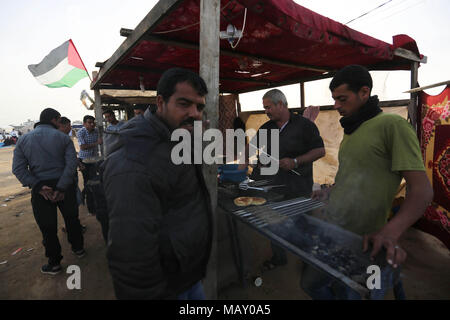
x,y
160,231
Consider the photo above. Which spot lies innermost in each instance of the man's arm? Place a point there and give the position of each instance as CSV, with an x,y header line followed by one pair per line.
x,y
20,167
83,144
70,168
90,145
310,156
313,141
419,195
134,228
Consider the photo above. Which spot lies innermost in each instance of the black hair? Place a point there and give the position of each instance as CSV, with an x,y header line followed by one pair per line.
x,y
47,115
108,111
64,120
140,106
88,117
355,76
170,78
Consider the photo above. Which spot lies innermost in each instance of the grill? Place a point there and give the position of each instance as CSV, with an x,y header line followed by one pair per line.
x,y
325,246
262,216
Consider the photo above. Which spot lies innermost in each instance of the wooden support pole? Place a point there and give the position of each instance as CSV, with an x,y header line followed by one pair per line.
x,y
98,112
238,105
302,94
209,71
412,107
418,89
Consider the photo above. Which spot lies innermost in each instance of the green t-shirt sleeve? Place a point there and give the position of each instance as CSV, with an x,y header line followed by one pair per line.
x,y
404,146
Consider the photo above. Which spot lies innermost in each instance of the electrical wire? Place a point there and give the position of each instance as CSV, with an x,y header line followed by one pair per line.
x,y
381,11
191,25
242,32
402,10
380,15
369,11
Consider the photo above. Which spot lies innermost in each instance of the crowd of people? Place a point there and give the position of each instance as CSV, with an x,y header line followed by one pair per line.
x,y
156,216
9,139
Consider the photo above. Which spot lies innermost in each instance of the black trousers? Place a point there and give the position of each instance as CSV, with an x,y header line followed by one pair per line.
x,y
88,173
45,214
101,211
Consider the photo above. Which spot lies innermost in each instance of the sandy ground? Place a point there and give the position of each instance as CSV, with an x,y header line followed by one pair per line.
x,y
426,273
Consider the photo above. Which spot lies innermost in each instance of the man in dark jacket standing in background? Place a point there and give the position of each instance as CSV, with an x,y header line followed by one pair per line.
x,y
160,233
45,160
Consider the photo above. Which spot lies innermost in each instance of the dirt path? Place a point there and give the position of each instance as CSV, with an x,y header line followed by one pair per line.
x,y
426,273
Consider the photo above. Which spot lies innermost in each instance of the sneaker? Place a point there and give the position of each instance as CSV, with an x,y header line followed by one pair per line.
x,y
49,269
80,253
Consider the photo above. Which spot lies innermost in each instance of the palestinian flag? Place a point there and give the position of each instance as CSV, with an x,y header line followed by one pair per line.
x,y
62,67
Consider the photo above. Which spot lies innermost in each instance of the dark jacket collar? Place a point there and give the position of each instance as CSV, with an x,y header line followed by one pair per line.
x,y
48,125
157,124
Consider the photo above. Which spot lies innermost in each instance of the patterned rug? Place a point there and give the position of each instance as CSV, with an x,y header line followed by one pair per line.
x,y
434,137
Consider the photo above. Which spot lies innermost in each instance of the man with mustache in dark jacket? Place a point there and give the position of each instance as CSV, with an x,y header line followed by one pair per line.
x,y
160,230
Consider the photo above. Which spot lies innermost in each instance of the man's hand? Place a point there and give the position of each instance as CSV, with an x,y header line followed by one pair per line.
x,y
81,166
395,255
100,141
287,164
321,195
46,192
57,196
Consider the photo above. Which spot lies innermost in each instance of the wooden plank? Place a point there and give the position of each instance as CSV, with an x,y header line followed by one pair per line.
x,y
98,113
194,46
412,106
238,105
266,82
209,71
302,94
418,89
285,83
158,12
407,54
124,32
383,104
144,70
267,85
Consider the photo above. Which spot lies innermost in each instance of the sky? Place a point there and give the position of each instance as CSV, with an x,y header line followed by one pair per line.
x,y
29,30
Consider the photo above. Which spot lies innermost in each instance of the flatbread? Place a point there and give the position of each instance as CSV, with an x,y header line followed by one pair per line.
x,y
257,201
243,201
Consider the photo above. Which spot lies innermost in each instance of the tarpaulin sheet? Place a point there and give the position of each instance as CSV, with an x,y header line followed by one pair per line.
x,y
279,35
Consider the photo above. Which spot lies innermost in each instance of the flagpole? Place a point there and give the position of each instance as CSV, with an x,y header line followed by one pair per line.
x,y
80,59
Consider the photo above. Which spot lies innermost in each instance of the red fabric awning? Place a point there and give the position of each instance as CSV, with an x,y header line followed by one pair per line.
x,y
282,43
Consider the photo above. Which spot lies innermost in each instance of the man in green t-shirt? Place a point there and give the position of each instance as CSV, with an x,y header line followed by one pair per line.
x,y
376,152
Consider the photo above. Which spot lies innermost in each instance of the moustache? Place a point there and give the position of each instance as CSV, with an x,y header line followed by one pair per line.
x,y
189,121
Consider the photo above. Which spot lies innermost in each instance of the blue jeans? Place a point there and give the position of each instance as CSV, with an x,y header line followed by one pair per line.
x,y
194,293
